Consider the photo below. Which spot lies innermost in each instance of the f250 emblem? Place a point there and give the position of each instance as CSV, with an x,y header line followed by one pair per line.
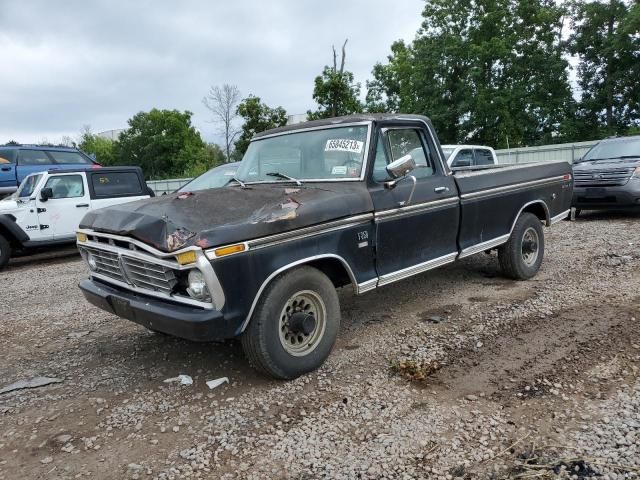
x,y
363,235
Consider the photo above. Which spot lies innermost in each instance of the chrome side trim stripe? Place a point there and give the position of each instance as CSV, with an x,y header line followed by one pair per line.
x,y
308,231
560,216
415,269
417,208
366,286
511,188
481,247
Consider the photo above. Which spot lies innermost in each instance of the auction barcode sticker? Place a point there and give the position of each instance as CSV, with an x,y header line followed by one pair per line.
x,y
344,145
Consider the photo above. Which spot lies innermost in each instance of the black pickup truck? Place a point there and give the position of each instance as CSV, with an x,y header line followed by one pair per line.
x,y
360,200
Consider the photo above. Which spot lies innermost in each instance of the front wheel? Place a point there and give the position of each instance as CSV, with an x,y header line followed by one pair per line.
x,y
295,324
5,252
520,258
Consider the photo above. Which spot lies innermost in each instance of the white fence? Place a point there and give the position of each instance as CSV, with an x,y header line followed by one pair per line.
x,y
568,152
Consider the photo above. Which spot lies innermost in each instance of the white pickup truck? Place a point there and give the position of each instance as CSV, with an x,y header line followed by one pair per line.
x,y
466,156
48,206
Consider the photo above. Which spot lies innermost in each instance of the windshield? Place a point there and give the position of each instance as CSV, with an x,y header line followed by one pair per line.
x,y
334,153
447,152
623,147
28,186
214,178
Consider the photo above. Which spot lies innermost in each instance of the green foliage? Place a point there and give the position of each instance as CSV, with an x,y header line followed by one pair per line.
x,y
335,91
486,71
102,148
12,143
163,143
214,157
258,117
606,40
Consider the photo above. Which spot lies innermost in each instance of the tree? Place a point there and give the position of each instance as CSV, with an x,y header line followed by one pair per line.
x,y
335,90
102,148
12,143
222,102
606,40
162,142
487,71
214,157
258,117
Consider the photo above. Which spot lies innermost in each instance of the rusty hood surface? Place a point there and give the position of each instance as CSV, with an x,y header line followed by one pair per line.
x,y
209,218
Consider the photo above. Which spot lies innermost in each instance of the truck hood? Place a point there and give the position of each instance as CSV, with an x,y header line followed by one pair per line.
x,y
209,218
612,164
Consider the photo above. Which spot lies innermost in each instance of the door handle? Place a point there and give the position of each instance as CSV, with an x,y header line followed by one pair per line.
x,y
80,205
6,169
441,189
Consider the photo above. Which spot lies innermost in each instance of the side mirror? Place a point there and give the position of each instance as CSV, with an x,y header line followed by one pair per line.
x,y
46,193
401,167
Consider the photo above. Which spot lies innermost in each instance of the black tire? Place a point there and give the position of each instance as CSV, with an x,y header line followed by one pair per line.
x,y
5,252
265,338
516,257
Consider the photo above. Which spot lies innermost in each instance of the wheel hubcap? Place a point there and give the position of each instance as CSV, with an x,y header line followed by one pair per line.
x,y
302,323
530,246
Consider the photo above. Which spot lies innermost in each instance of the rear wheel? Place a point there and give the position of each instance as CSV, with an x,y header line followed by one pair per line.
x,y
520,258
295,324
5,251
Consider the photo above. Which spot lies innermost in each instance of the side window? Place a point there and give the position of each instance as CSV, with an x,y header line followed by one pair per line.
x,y
7,156
408,141
380,162
33,157
66,186
116,184
73,158
483,157
464,158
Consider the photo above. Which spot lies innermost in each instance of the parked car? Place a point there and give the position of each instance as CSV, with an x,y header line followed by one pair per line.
x,y
215,178
47,208
317,205
608,175
18,161
463,156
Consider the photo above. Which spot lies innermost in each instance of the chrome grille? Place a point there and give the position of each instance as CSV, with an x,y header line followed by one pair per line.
x,y
134,271
602,178
148,275
107,263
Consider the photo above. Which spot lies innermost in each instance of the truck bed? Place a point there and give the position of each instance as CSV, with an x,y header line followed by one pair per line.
x,y
492,198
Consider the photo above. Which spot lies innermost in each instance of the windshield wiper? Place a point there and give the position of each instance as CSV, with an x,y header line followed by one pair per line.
x,y
236,179
285,176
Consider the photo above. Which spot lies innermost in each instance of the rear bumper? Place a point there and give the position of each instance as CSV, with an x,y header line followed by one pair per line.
x,y
607,197
191,323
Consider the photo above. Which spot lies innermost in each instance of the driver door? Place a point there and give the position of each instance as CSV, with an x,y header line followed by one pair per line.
x,y
69,203
422,234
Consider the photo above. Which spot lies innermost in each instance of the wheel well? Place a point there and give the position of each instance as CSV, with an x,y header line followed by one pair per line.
x,y
13,241
539,210
334,269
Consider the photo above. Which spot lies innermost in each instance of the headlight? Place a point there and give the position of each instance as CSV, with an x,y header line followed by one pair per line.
x,y
91,260
197,286
636,173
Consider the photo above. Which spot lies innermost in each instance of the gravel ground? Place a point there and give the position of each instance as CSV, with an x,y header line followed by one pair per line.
x,y
456,373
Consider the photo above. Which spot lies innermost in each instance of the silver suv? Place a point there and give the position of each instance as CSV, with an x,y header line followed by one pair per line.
x,y
608,176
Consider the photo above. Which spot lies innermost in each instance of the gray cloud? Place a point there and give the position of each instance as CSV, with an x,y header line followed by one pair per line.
x,y
67,64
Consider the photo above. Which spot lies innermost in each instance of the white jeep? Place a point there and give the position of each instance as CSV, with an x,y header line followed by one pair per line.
x,y
48,206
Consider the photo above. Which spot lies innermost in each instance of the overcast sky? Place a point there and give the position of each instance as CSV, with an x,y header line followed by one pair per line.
x,y
74,63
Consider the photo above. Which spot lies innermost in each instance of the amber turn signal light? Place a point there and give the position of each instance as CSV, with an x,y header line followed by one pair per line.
x,y
185,258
